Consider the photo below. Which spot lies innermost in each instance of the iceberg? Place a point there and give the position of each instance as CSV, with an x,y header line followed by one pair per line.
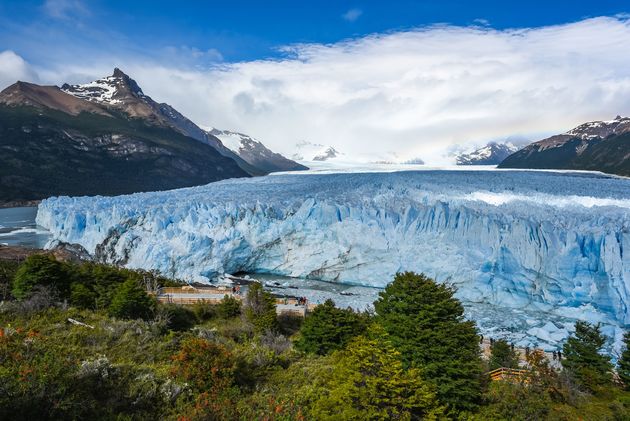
x,y
542,242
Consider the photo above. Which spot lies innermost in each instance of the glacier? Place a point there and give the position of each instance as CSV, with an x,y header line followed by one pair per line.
x,y
536,244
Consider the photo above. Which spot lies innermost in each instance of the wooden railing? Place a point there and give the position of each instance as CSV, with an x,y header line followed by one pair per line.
x,y
509,374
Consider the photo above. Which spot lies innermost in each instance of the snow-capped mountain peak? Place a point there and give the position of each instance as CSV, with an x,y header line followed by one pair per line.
x,y
601,129
254,152
110,90
308,151
491,154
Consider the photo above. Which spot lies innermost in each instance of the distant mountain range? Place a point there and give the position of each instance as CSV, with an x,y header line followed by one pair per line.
x,y
596,146
108,137
491,154
307,151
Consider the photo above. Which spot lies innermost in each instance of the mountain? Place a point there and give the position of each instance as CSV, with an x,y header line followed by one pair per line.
x,y
254,152
307,151
55,143
491,154
122,93
596,146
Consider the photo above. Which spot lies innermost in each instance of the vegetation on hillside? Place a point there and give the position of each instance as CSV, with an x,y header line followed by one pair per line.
x,y
85,341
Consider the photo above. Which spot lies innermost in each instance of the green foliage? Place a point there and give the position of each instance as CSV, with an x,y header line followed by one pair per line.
x,y
426,325
260,308
329,329
369,383
81,296
229,307
502,355
514,401
41,269
8,268
583,358
623,365
177,317
131,302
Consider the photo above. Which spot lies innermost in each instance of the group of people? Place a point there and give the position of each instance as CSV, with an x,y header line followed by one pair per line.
x,y
301,301
236,290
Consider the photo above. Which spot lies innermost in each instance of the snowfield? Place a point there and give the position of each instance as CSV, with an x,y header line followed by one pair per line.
x,y
521,245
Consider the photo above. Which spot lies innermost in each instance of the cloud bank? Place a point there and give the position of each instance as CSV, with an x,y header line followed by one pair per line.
x,y
414,93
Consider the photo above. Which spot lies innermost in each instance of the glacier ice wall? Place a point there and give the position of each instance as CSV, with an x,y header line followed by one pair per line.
x,y
554,242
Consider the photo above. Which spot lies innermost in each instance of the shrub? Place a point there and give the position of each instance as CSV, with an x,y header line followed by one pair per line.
x,y
178,318
204,365
329,328
41,269
131,302
228,307
623,366
204,311
369,383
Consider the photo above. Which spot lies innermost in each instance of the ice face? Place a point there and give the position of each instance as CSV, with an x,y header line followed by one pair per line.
x,y
540,242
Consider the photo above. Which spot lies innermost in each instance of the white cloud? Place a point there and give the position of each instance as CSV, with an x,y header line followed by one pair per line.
x,y
65,9
14,68
414,92
352,15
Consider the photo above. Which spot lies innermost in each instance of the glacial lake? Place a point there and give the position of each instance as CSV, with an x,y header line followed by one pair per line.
x,y
18,228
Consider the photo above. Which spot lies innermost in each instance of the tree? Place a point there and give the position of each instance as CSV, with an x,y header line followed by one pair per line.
x,y
260,308
623,365
329,328
229,307
502,355
426,325
583,358
130,301
369,383
44,270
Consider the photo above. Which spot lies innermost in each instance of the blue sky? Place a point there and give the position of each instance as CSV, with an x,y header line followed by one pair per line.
x,y
393,80
247,30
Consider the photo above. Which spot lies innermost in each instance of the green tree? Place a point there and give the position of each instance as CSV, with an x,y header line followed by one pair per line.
x,y
426,325
131,302
583,358
229,307
369,383
502,355
329,328
41,269
81,296
260,308
623,365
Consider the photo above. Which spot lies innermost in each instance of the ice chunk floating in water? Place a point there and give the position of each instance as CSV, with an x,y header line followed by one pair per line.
x,y
534,241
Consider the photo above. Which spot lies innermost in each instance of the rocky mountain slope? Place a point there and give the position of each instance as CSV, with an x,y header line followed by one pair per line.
x,y
122,93
597,146
491,154
254,152
54,143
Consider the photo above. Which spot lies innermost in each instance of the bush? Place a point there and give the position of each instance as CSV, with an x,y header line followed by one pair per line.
x,y
204,311
131,302
8,268
41,269
329,328
228,307
204,365
178,318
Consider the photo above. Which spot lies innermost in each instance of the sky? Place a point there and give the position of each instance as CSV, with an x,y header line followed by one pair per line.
x,y
392,80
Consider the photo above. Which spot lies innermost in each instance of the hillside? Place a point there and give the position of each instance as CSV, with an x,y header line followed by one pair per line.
x,y
596,146
48,152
